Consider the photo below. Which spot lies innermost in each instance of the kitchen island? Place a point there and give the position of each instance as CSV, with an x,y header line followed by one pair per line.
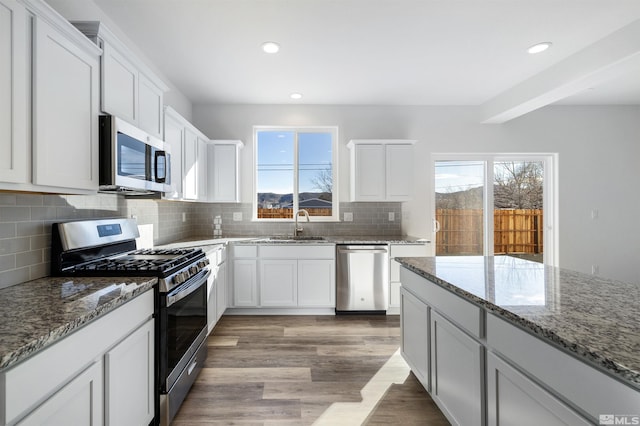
x,y
561,346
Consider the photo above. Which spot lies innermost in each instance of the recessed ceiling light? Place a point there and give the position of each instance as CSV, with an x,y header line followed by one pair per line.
x,y
296,96
540,47
270,47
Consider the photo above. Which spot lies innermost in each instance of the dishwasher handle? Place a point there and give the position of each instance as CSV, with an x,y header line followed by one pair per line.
x,y
363,250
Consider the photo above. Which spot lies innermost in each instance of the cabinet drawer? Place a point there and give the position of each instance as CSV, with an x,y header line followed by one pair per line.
x,y
595,392
298,251
245,251
464,314
404,250
32,381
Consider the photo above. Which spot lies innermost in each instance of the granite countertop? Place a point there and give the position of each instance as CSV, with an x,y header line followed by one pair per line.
x,y
594,318
38,313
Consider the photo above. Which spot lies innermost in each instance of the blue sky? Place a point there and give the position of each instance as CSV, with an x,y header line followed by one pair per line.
x,y
276,156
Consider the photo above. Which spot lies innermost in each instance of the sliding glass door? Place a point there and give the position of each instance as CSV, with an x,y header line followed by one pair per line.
x,y
495,204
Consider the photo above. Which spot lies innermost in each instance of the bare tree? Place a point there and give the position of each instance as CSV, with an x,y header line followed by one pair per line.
x,y
518,185
323,182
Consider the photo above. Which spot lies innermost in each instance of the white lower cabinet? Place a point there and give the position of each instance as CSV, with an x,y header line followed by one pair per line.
x,y
514,399
278,283
415,339
284,276
78,403
401,250
129,369
103,373
456,372
245,284
221,291
316,283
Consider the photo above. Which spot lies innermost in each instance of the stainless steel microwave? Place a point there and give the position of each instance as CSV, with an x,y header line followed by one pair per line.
x,y
132,162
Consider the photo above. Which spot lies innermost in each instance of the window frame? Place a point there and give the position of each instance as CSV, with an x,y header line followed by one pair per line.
x,y
333,130
551,203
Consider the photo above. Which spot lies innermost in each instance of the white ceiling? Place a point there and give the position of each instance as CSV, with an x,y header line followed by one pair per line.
x,y
373,52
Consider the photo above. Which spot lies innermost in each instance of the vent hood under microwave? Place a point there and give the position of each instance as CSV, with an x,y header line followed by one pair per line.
x,y
132,162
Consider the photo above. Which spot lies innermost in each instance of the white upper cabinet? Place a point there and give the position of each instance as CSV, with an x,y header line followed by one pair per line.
x,y
381,169
14,86
130,90
49,117
188,158
223,171
174,133
66,94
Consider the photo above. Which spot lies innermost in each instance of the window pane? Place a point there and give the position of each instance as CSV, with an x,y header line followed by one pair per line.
x,y
275,156
459,194
518,208
315,173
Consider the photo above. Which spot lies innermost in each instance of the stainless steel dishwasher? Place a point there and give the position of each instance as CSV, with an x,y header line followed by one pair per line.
x,y
362,281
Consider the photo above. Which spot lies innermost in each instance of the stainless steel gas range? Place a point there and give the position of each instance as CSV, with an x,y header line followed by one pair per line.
x,y
107,247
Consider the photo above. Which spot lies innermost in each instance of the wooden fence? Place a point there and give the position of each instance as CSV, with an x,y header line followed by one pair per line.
x,y
288,213
515,231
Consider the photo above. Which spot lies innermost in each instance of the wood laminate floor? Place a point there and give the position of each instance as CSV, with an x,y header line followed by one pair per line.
x,y
307,370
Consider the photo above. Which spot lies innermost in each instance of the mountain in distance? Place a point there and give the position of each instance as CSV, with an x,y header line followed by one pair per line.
x,y
287,199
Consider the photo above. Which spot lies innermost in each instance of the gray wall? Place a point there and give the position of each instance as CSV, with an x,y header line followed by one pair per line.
x,y
597,147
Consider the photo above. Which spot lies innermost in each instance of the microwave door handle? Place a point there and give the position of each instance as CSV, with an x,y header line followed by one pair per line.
x,y
158,154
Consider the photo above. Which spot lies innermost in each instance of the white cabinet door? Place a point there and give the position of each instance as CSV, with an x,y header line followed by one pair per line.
x,y
65,117
414,317
221,291
14,86
129,379
190,170
150,106
513,399
245,284
174,136
456,372
212,284
78,403
399,172
278,282
316,283
119,85
223,172
368,173
401,250
202,169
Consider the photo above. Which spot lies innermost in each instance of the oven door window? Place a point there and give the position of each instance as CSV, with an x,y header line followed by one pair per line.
x,y
185,320
132,158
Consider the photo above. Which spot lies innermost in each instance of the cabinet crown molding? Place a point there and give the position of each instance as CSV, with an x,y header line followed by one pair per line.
x,y
97,30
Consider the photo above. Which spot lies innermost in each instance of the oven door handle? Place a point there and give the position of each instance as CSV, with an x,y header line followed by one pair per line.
x,y
188,287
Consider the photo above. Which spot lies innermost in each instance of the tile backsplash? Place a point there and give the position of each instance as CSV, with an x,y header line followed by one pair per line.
x,y
368,219
25,225
26,219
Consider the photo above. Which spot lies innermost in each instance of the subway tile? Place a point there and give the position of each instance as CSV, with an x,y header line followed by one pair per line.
x,y
43,213
28,258
7,200
26,229
7,262
14,276
15,214
13,245
29,199
54,200
40,270
7,230
40,241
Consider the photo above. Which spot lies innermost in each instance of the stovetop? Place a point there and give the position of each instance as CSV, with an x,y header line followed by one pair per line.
x,y
145,262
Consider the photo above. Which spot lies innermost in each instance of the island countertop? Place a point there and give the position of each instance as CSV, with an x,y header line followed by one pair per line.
x,y
38,313
596,319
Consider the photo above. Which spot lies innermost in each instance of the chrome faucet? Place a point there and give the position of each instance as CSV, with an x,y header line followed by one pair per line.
x,y
298,229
